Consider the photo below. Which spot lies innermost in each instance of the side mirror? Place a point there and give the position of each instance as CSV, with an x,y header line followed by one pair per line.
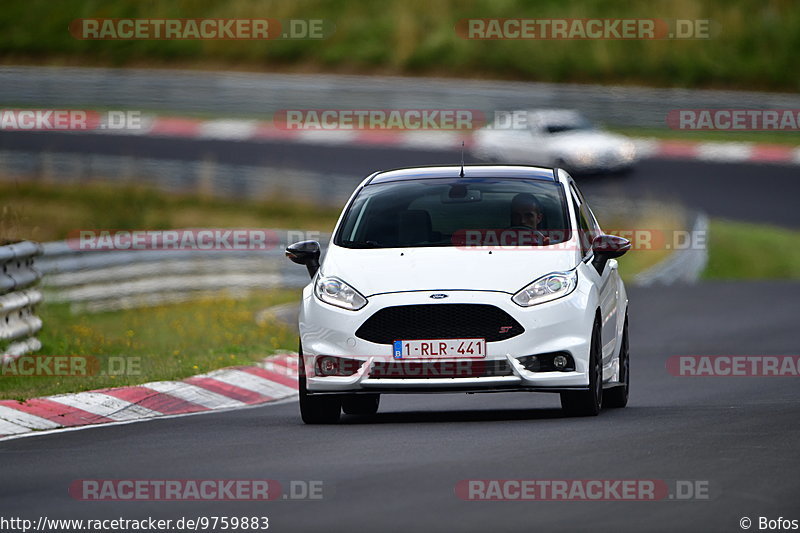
x,y
305,253
607,247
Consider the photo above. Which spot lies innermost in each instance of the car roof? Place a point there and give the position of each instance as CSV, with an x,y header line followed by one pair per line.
x,y
470,172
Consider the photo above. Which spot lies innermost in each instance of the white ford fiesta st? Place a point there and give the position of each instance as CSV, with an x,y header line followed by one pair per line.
x,y
482,278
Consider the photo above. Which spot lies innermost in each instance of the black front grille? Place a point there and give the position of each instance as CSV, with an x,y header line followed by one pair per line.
x,y
440,369
439,321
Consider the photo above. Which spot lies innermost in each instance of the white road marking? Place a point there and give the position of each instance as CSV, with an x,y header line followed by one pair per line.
x,y
104,405
327,136
28,433
8,428
194,394
432,140
251,382
733,152
21,418
234,130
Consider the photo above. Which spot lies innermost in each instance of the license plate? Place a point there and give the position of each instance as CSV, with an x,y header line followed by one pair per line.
x,y
440,349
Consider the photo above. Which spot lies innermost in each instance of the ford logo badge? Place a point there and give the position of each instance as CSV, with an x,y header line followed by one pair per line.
x,y
438,296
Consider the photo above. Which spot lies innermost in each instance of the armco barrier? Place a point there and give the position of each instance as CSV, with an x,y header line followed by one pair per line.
x,y
18,299
94,281
245,94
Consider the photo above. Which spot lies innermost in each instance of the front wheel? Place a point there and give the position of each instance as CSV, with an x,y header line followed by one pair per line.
x,y
588,403
322,409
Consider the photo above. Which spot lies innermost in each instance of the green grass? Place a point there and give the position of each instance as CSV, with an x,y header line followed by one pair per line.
x,y
738,250
160,343
664,219
46,211
754,48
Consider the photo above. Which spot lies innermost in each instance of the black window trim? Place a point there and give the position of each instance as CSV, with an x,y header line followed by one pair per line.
x,y
578,203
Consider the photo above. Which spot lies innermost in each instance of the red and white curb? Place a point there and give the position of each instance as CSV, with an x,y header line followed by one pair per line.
x,y
723,152
253,130
273,379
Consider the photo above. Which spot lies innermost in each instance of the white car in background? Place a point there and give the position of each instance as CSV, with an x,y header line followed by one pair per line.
x,y
484,278
555,138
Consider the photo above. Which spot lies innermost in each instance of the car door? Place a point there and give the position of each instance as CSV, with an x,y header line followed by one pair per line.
x,y
606,281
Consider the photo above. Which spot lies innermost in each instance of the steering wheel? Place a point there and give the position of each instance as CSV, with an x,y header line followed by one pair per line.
x,y
541,237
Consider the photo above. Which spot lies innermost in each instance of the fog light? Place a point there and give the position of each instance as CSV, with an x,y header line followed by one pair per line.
x,y
560,362
329,366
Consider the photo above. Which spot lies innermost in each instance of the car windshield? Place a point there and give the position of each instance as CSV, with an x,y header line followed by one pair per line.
x,y
456,212
565,126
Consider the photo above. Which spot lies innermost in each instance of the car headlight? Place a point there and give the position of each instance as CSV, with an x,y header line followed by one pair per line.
x,y
585,157
547,288
336,292
627,151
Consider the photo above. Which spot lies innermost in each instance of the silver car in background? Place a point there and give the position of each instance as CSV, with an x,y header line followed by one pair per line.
x,y
555,138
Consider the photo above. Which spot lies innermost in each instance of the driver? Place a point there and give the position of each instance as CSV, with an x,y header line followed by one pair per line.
x,y
527,214
526,211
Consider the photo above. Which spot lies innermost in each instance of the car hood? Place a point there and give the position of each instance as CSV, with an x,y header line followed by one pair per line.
x,y
382,270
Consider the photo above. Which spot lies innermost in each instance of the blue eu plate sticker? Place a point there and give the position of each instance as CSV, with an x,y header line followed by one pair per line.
x,y
398,349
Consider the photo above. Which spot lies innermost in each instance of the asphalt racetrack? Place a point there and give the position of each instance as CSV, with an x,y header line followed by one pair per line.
x,y
741,191
397,471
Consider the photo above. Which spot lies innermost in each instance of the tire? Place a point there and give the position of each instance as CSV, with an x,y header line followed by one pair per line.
x,y
322,409
588,403
617,397
361,404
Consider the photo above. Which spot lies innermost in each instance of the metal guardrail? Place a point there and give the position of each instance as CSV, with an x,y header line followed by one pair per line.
x,y
255,94
210,178
92,281
682,266
18,299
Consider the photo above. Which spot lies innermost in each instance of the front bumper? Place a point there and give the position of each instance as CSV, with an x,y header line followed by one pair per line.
x,y
563,325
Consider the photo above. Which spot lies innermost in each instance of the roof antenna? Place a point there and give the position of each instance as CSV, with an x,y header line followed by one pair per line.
x,y
462,160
